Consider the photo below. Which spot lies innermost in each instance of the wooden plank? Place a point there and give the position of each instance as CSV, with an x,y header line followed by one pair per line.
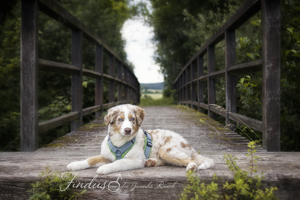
x,y
252,123
29,76
230,80
211,88
111,72
126,86
243,68
90,110
188,84
48,65
217,74
77,79
204,105
99,80
91,73
203,78
245,12
271,74
217,110
56,122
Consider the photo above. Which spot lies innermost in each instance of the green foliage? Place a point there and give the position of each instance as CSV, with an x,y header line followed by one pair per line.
x,y
103,17
52,186
148,101
246,185
56,108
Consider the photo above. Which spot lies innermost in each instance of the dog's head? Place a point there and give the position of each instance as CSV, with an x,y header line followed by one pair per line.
x,y
124,119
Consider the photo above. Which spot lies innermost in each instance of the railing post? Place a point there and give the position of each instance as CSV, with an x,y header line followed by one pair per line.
x,y
111,72
271,74
188,87
77,78
200,83
230,80
119,84
29,75
99,81
126,86
211,88
194,84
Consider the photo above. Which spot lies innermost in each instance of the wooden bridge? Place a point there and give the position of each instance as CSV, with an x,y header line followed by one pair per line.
x,y
19,169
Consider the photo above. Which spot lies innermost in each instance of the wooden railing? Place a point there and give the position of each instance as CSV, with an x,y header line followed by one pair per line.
x,y
189,82
128,86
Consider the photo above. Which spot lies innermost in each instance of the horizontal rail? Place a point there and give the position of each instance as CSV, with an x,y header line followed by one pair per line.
x,y
57,12
241,119
245,12
216,74
51,65
246,66
56,122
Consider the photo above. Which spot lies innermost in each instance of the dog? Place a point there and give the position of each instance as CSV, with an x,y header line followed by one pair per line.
x,y
128,147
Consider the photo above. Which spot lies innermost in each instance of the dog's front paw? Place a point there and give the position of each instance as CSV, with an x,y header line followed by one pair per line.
x,y
191,167
104,170
78,165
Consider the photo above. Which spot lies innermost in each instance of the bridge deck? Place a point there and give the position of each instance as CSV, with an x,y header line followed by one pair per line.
x,y
18,170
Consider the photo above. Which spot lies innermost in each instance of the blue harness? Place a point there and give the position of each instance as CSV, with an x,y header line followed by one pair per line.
x,y
120,152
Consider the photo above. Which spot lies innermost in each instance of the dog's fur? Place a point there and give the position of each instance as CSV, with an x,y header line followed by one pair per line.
x,y
168,147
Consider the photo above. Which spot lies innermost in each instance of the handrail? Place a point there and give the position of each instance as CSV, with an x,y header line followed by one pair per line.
x,y
192,74
125,79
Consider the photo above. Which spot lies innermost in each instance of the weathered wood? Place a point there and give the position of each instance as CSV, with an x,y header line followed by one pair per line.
x,y
202,133
230,80
58,121
119,84
243,68
57,12
52,66
90,110
271,74
188,84
111,72
211,88
99,80
194,83
246,11
217,73
29,75
252,123
76,86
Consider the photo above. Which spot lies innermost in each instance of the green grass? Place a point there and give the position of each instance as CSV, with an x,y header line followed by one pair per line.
x,y
149,101
153,95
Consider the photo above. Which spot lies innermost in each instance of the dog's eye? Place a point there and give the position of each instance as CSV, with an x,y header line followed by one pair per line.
x,y
132,119
120,119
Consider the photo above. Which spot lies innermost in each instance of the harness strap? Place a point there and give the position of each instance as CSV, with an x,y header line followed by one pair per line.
x,y
148,144
120,152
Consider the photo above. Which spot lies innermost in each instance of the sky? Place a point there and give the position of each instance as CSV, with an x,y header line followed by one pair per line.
x,y
140,50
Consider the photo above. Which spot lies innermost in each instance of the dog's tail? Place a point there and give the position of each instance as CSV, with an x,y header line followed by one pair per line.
x,y
204,163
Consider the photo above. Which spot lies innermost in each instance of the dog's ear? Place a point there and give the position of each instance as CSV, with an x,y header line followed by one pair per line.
x,y
112,115
140,115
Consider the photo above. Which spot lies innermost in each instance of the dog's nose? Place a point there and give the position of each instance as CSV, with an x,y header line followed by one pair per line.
x,y
127,131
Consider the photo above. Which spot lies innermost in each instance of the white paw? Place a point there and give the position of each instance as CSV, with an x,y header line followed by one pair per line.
x,y
208,163
104,170
191,167
78,165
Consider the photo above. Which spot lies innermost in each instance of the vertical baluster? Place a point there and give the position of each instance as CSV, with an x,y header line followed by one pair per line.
x,y
99,81
77,78
29,75
120,84
194,84
211,82
111,72
200,83
271,74
230,80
